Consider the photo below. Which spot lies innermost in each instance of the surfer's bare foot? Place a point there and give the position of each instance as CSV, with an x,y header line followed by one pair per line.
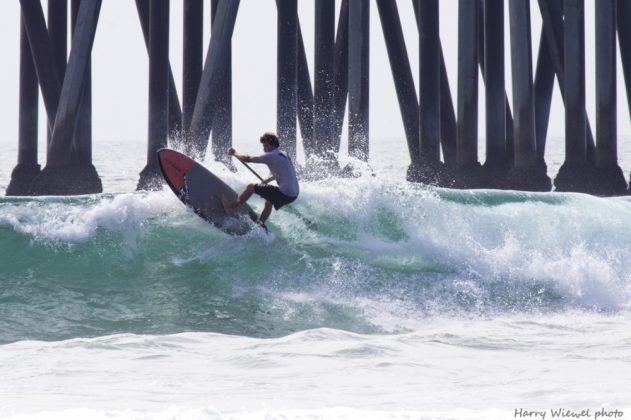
x,y
228,206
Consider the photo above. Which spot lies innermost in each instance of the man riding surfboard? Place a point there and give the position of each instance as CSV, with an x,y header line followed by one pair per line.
x,y
282,170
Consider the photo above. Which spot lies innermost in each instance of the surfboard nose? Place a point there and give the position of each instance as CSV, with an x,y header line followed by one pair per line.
x,y
174,165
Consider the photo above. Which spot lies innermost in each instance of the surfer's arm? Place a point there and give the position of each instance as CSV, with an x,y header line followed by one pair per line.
x,y
242,158
268,180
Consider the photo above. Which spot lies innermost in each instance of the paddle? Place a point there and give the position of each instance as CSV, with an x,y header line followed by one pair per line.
x,y
251,170
306,221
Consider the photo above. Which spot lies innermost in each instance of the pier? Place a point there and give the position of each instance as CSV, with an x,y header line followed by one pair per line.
x,y
441,122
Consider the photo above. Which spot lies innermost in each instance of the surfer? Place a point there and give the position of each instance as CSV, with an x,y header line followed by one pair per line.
x,y
282,170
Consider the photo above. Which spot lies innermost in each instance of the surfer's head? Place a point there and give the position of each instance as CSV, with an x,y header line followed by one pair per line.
x,y
270,140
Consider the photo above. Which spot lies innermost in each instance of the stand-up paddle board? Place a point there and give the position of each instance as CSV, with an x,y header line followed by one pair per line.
x,y
200,189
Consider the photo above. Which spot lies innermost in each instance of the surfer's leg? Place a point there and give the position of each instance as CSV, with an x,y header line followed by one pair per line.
x,y
266,211
245,196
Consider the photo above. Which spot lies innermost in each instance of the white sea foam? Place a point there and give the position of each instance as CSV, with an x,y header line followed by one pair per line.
x,y
76,220
575,243
210,413
451,368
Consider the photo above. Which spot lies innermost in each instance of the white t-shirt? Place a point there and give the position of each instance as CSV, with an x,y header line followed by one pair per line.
x,y
282,170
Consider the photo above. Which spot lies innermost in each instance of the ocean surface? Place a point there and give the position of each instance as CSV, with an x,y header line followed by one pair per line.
x,y
400,301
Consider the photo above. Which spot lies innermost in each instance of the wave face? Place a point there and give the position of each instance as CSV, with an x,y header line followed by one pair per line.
x,y
381,257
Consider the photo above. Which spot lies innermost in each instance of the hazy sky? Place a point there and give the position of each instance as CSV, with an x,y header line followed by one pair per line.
x,y
120,68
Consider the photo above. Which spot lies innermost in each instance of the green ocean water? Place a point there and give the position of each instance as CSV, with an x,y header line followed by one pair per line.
x,y
380,257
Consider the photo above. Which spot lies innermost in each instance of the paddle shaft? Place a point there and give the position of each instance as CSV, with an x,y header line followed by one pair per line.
x,y
252,170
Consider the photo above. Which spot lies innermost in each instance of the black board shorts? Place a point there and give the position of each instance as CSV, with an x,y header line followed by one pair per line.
x,y
273,194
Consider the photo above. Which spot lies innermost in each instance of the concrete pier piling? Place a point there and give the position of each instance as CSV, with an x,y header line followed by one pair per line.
x,y
468,170
43,58
67,171
222,122
553,26
323,100
175,112
624,39
339,89
192,62
430,169
497,161
528,172
158,123
82,138
576,172
543,87
287,74
27,167
305,98
58,34
358,78
403,82
448,131
207,103
312,104
608,178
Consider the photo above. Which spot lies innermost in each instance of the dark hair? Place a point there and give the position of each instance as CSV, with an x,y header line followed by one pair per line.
x,y
271,139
